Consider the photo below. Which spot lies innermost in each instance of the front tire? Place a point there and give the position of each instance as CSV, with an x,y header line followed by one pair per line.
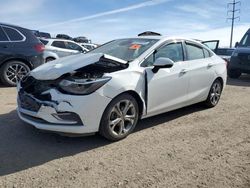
x,y
12,72
214,94
119,118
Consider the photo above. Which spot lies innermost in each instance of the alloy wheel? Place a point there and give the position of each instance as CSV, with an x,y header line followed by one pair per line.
x,y
215,93
15,72
122,117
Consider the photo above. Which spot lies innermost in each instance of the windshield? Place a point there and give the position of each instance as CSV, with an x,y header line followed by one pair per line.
x,y
126,49
245,42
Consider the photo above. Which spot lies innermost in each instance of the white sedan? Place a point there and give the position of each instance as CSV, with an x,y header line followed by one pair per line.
x,y
110,88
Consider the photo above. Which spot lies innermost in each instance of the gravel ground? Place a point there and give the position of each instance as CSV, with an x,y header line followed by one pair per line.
x,y
190,147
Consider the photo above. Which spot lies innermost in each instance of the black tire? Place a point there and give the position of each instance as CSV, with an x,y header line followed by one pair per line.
x,y
234,73
49,59
214,94
8,76
110,115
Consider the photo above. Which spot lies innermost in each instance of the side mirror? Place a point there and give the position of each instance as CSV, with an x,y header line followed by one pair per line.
x,y
162,62
236,44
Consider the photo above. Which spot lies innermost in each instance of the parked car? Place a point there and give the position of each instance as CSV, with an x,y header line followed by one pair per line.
x,y
20,51
240,60
110,88
40,34
63,36
57,48
81,40
45,35
225,53
89,46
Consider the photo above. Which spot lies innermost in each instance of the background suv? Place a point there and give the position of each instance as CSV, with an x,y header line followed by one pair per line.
x,y
240,60
57,48
20,51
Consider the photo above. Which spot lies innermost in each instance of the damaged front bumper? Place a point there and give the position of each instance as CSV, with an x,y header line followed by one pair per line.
x,y
63,113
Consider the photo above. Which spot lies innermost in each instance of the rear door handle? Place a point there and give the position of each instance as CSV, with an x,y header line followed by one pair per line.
x,y
210,65
184,71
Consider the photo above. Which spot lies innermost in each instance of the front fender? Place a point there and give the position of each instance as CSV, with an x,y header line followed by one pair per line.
x,y
124,81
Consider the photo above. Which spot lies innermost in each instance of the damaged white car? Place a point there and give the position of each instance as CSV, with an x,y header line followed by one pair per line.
x,y
110,88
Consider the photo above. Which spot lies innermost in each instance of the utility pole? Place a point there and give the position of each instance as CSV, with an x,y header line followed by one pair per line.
x,y
232,11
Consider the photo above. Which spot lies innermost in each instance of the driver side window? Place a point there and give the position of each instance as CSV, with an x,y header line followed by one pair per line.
x,y
172,51
72,46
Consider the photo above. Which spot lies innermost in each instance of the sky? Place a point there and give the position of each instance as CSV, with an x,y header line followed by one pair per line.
x,y
105,20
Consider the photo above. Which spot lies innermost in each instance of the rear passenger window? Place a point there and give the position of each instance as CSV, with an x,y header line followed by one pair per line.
x,y
58,44
13,34
44,41
3,37
194,52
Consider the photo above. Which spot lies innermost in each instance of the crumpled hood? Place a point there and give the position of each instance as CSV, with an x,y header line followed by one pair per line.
x,y
55,69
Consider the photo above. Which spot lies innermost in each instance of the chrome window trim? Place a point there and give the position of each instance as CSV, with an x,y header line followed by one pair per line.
x,y
3,26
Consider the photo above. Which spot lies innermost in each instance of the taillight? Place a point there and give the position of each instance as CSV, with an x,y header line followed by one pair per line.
x,y
39,47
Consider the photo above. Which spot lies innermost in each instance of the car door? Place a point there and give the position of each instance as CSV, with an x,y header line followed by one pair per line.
x,y
167,89
74,48
201,74
60,49
212,44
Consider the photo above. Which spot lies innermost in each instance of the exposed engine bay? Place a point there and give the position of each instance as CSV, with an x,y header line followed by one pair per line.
x,y
82,76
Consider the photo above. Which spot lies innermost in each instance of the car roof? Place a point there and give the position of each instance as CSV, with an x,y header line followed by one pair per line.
x,y
165,38
58,39
11,25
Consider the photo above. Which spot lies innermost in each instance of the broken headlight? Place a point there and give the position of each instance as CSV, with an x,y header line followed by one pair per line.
x,y
82,86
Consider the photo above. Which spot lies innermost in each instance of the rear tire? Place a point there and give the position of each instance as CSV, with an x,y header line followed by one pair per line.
x,y
214,94
119,118
12,72
234,73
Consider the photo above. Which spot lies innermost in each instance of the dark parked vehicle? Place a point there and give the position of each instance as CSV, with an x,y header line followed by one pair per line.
x,y
63,36
240,60
20,51
45,35
82,40
40,34
225,53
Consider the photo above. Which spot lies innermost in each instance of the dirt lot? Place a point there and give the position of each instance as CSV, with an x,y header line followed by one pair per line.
x,y
190,147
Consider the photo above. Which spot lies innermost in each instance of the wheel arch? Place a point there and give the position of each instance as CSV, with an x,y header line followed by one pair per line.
x,y
50,57
221,81
17,59
138,99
